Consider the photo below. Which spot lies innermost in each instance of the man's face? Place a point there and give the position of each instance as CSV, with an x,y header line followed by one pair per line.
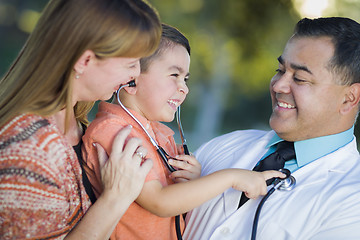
x,y
305,98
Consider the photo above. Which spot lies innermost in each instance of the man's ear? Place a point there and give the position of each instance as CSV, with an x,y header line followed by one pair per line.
x,y
352,98
83,61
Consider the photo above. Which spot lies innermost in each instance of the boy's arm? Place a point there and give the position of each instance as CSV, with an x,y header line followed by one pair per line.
x,y
179,198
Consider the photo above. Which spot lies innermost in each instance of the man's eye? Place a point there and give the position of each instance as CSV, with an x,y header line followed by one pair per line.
x,y
279,71
298,80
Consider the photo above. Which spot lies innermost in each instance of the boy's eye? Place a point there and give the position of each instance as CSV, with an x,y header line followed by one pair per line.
x,y
186,79
174,75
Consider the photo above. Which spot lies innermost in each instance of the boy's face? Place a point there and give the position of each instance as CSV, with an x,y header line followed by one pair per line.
x,y
162,88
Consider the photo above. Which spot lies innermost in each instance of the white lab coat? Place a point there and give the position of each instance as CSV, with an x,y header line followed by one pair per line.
x,y
325,204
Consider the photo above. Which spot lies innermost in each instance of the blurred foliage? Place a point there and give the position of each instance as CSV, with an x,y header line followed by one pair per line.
x,y
235,44
17,19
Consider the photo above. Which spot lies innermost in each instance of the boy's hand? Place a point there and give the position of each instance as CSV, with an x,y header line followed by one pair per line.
x,y
252,183
188,168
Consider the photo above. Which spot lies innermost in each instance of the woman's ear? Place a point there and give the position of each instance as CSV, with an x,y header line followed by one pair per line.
x,y
352,98
83,61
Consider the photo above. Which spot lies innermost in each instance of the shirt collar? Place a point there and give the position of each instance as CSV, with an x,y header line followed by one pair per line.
x,y
154,128
308,150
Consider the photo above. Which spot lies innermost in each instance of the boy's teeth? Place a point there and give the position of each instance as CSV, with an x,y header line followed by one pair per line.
x,y
173,102
285,105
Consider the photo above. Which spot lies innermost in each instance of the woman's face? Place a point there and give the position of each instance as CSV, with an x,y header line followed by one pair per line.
x,y
102,77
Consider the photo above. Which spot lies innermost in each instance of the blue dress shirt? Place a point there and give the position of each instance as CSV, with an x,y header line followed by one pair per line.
x,y
311,149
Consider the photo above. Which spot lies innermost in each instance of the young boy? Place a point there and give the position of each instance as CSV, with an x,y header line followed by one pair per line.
x,y
160,89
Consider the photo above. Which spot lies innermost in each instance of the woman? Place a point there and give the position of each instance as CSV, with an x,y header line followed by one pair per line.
x,y
79,52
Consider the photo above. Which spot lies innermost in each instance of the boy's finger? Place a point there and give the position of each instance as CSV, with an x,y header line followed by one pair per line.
x,y
272,173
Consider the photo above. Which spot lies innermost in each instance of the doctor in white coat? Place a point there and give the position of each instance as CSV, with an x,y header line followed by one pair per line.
x,y
315,95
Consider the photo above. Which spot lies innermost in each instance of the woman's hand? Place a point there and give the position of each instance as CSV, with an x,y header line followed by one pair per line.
x,y
188,168
123,177
122,173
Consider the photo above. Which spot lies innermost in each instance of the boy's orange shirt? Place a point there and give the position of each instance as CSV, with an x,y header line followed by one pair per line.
x,y
137,223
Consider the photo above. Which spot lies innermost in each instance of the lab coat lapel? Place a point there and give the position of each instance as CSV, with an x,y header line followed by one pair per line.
x,y
278,208
246,157
332,162
312,177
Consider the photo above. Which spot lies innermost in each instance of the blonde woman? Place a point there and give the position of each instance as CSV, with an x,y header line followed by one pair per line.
x,y
80,51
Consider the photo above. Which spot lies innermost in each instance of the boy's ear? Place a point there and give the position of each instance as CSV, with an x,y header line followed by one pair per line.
x,y
83,61
131,90
352,98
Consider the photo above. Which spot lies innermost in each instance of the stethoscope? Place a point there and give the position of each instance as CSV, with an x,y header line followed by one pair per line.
x,y
163,154
283,184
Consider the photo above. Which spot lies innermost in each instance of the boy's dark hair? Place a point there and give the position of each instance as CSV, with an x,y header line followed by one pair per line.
x,y
170,37
345,35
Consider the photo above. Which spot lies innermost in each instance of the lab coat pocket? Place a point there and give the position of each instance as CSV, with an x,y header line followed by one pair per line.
x,y
273,230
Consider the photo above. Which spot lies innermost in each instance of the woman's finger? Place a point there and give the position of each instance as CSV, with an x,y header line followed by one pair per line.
x,y
102,155
141,152
131,146
119,141
145,168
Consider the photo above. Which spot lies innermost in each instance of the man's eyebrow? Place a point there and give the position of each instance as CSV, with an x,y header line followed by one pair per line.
x,y
295,66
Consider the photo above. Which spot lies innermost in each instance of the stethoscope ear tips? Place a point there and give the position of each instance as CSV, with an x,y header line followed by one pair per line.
x,y
131,83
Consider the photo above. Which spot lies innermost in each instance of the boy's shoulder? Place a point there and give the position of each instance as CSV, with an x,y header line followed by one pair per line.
x,y
108,115
162,128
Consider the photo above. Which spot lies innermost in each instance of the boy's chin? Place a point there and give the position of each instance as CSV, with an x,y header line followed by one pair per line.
x,y
168,118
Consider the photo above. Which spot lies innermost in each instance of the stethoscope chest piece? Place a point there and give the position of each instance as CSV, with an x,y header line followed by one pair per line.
x,y
288,184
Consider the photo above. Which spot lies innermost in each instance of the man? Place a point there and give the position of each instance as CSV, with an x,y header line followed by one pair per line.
x,y
315,96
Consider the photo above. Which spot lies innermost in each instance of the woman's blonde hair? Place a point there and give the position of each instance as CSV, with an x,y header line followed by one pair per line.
x,y
39,80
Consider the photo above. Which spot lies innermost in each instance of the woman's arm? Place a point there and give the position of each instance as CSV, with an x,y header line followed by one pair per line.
x,y
123,178
179,198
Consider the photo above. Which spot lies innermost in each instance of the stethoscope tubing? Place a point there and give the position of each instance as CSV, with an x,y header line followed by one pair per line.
x,y
286,184
159,149
182,136
258,210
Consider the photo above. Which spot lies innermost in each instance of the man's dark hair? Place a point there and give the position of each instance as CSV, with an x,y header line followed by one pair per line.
x,y
345,35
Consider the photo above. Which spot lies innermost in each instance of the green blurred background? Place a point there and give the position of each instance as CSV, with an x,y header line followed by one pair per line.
x,y
235,44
